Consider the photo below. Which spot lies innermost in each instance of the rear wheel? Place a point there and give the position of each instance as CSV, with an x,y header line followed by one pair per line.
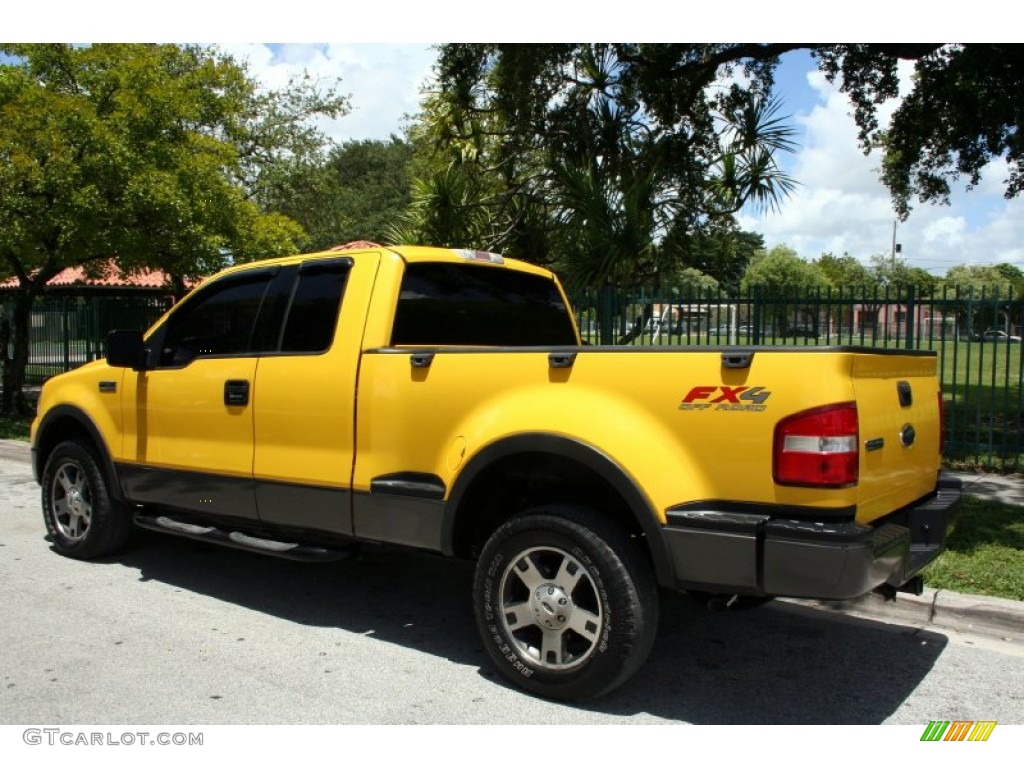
x,y
565,602
82,518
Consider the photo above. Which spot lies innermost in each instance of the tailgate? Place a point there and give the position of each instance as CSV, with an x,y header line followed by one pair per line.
x,y
899,423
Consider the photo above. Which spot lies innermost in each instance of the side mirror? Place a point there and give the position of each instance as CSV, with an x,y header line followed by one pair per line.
x,y
126,350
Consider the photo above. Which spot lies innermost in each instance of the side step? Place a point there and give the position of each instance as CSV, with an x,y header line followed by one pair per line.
x,y
239,540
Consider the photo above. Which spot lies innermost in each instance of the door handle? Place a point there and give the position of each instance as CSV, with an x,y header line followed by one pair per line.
x,y
236,392
421,359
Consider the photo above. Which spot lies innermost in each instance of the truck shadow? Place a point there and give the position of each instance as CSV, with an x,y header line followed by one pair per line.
x,y
780,664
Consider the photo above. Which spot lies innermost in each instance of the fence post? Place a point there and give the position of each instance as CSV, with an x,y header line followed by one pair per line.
x,y
606,314
911,308
65,329
755,297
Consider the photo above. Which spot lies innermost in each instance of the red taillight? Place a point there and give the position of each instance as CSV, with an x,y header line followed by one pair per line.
x,y
819,447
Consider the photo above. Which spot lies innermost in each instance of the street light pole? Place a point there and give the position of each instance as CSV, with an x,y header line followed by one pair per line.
x,y
896,247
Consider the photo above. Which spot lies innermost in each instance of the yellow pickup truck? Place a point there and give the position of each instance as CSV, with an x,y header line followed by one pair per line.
x,y
442,400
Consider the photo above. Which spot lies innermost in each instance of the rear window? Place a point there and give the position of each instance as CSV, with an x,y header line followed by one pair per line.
x,y
470,305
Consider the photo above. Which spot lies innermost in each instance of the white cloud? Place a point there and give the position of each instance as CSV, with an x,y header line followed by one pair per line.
x,y
384,81
948,229
842,206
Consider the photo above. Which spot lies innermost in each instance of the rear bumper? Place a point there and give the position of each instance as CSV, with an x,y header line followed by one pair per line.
x,y
755,553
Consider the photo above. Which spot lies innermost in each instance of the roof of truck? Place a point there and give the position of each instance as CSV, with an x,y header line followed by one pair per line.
x,y
411,254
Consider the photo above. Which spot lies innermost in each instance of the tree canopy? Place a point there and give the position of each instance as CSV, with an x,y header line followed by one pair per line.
x,y
150,153
357,192
780,271
846,272
575,156
986,279
591,157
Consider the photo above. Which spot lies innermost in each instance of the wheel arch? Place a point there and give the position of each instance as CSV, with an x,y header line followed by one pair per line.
x,y
526,470
67,422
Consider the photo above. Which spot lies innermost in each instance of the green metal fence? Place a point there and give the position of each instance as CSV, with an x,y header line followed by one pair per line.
x,y
68,331
975,333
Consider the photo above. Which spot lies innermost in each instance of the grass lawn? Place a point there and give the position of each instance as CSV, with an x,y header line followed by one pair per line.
x,y
14,428
985,552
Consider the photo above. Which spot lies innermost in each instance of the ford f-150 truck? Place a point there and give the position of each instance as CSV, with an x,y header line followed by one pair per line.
x,y
442,400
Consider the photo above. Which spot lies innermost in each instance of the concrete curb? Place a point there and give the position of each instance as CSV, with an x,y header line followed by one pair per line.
x,y
1007,489
939,608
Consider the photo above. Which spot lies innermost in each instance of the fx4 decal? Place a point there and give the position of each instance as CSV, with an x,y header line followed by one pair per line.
x,y
722,398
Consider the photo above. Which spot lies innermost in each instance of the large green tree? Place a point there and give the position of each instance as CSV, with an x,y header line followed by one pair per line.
x,y
572,155
897,274
147,153
846,273
781,272
722,253
781,278
600,106
986,279
356,192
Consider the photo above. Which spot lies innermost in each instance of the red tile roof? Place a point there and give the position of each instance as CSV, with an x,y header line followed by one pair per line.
x,y
355,245
110,277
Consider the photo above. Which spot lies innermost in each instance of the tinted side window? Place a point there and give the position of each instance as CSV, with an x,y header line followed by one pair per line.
x,y
475,305
313,313
219,321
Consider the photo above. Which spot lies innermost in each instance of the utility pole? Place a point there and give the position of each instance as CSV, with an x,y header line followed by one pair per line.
x,y
896,247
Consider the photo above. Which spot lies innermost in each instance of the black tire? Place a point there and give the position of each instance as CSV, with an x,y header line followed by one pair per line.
x,y
565,602
82,519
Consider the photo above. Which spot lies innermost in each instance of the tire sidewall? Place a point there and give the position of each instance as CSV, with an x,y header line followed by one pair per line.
x,y
106,531
612,658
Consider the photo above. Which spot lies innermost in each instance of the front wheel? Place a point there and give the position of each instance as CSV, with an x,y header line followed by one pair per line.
x,y
565,602
82,519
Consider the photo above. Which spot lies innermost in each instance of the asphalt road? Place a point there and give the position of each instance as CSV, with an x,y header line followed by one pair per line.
x,y
174,631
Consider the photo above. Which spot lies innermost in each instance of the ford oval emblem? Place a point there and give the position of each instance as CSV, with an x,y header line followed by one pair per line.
x,y
907,436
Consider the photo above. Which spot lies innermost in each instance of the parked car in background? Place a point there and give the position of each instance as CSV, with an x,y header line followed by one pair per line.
x,y
994,335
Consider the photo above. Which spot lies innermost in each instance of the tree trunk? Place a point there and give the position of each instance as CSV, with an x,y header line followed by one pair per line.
x,y
13,402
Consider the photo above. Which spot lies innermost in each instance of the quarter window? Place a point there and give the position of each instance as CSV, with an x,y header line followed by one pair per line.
x,y
313,312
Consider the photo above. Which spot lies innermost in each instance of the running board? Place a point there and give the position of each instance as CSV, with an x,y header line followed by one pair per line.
x,y
239,540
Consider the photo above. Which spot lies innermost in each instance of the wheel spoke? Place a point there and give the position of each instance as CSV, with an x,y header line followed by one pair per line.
x,y
71,500
65,482
551,648
519,615
527,572
569,573
562,602
585,623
